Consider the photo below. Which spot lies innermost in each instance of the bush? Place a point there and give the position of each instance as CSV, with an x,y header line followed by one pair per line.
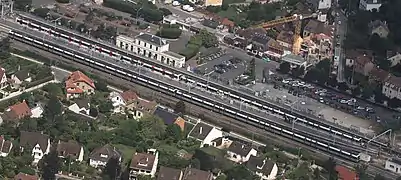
x,y
63,1
169,33
190,51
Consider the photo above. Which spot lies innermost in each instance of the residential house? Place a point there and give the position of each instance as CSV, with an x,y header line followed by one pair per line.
x,y
363,65
5,147
394,57
78,84
210,23
392,87
3,78
19,77
120,100
393,165
39,142
265,169
17,112
324,4
37,111
240,152
169,117
274,48
70,149
286,39
378,75
352,55
144,164
196,174
221,142
226,25
213,3
260,43
81,106
166,173
318,46
369,5
151,46
346,174
380,28
140,107
316,27
249,33
101,155
205,134
23,176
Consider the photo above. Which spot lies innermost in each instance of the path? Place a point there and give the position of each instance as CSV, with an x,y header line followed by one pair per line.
x,y
14,94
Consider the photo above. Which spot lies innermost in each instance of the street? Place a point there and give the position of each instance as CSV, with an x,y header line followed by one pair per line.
x,y
339,55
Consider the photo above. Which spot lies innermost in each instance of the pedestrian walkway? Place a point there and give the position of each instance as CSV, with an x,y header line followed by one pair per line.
x,y
15,94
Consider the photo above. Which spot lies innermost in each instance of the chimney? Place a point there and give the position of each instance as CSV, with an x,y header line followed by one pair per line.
x,y
243,145
200,130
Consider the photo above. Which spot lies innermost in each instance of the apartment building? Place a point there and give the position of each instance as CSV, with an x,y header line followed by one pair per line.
x,y
152,47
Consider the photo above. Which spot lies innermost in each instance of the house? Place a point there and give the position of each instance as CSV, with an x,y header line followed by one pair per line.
x,y
363,65
240,152
393,165
378,75
5,147
351,55
140,107
169,117
151,46
78,84
324,4
37,111
213,3
286,39
205,134
210,23
346,174
380,28
17,112
392,87
369,5
70,149
226,24
3,78
265,169
21,76
166,173
120,100
144,164
101,155
40,144
316,27
394,57
23,176
196,174
250,32
81,106
260,43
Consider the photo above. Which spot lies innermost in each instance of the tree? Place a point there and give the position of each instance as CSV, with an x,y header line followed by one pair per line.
x,y
394,103
379,177
50,165
101,86
105,107
53,89
399,178
41,12
53,108
208,39
316,174
5,48
180,107
169,33
93,112
361,171
174,131
22,4
251,69
285,67
112,169
298,71
239,172
165,11
151,127
329,166
356,91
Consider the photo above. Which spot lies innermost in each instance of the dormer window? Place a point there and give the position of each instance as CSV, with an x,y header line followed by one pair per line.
x,y
103,155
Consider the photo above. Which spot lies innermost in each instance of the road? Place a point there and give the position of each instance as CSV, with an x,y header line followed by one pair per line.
x,y
341,31
238,105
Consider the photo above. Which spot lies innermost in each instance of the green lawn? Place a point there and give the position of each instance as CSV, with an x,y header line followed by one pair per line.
x,y
232,14
127,152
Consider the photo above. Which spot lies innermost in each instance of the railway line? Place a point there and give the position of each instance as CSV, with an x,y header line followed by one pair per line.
x,y
187,77
184,94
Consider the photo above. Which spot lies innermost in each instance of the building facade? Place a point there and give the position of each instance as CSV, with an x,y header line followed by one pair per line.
x,y
369,5
392,87
393,165
152,47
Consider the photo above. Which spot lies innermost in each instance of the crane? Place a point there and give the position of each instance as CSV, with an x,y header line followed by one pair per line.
x,y
294,18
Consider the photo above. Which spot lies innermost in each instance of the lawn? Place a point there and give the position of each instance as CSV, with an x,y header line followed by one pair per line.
x,y
127,152
13,63
232,14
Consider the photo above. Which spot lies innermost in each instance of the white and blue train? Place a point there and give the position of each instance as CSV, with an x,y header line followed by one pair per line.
x,y
181,93
187,77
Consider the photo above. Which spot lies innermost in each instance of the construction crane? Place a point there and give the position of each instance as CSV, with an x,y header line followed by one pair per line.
x,y
294,18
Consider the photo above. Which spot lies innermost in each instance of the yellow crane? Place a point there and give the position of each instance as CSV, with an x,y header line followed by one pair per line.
x,y
294,18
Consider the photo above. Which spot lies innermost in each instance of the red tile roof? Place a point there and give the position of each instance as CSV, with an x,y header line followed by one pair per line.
x,y
18,111
75,77
142,161
379,75
22,176
346,174
129,96
227,22
5,146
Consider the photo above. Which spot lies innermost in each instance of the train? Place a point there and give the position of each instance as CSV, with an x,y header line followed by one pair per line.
x,y
187,77
181,93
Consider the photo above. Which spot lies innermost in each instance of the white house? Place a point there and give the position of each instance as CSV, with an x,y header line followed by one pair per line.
x,y
144,164
37,111
118,102
392,87
70,149
81,106
240,152
101,155
369,5
5,147
152,47
21,76
265,169
393,165
395,59
40,144
3,78
205,134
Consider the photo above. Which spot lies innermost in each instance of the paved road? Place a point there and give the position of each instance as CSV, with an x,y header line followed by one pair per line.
x,y
341,31
178,11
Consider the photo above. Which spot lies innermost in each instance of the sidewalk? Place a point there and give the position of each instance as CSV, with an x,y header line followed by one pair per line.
x,y
14,94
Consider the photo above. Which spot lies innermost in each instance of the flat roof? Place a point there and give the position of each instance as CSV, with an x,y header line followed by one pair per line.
x,y
173,54
295,59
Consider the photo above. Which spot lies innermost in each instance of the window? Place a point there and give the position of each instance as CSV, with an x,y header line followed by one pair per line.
x,y
157,48
144,45
121,44
151,46
132,48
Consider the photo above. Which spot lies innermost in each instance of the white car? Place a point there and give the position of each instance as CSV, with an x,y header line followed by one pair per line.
x,y
343,101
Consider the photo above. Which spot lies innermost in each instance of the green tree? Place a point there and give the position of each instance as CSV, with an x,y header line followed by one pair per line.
x,y
41,12
101,86
54,89
169,33
298,71
174,132
22,4
361,171
180,107
50,165
329,166
54,108
316,174
285,67
105,107
112,169
151,127
93,112
5,48
239,172
208,39
165,11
